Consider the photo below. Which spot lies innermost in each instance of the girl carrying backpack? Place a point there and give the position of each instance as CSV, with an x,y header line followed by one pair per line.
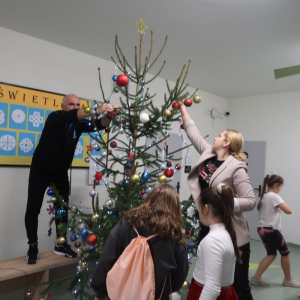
x,y
145,256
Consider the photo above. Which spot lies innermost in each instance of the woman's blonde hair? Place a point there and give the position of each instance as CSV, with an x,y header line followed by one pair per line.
x,y
236,144
160,213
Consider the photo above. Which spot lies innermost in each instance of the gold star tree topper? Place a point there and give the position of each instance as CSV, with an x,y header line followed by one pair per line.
x,y
141,26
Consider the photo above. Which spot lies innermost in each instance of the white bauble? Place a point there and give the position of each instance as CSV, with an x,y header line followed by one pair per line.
x,y
144,118
176,296
190,211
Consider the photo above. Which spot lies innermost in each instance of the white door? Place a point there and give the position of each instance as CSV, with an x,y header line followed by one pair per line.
x,y
256,151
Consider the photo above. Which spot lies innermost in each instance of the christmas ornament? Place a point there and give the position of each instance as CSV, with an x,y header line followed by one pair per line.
x,y
185,285
113,144
190,256
96,147
175,296
83,265
135,178
147,96
87,110
114,78
188,102
131,155
128,165
87,160
60,240
187,232
141,26
182,126
162,167
98,176
92,239
50,192
103,154
61,212
73,237
178,167
84,235
29,294
197,98
169,172
77,244
190,211
79,269
169,164
144,118
121,131
142,192
91,247
89,148
122,80
49,231
162,178
110,204
51,209
191,244
92,193
148,190
95,218
116,89
167,113
81,226
107,129
176,105
145,176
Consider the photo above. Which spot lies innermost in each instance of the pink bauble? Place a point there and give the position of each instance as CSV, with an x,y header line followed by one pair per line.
x,y
77,244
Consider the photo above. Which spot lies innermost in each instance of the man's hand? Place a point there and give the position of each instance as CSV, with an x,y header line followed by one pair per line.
x,y
105,107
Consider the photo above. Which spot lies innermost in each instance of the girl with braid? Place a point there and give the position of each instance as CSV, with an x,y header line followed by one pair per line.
x,y
269,230
218,251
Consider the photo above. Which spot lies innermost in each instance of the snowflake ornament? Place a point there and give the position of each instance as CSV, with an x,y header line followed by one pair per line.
x,y
7,142
26,145
190,211
2,117
36,119
51,209
49,231
79,148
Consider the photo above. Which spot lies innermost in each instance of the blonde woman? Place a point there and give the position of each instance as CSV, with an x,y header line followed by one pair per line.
x,y
223,162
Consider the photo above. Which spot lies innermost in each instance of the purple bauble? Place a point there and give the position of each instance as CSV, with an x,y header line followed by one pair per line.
x,y
92,193
113,144
77,244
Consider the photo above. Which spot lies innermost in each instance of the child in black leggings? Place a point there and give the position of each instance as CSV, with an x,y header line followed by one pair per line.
x,y
269,226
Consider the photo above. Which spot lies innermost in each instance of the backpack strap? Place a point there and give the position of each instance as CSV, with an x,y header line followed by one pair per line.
x,y
164,288
148,238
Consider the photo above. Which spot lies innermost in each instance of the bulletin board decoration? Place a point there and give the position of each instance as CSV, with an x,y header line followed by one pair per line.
x,y
23,112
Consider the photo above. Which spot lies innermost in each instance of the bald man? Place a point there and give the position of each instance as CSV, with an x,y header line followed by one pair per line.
x,y
50,163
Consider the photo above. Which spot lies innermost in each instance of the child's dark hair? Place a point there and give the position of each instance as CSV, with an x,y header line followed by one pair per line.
x,y
222,206
269,181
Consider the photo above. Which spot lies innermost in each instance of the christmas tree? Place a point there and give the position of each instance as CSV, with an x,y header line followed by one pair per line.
x,y
137,118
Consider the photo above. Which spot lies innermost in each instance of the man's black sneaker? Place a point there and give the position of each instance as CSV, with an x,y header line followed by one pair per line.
x,y
64,249
32,254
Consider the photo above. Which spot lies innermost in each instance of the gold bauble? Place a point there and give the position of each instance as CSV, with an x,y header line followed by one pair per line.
x,y
197,98
185,285
83,265
60,240
135,178
95,218
162,178
167,113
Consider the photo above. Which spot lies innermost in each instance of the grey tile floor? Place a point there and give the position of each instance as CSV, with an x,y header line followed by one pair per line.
x,y
273,275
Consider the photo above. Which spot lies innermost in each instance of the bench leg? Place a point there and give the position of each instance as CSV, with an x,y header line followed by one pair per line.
x,y
35,279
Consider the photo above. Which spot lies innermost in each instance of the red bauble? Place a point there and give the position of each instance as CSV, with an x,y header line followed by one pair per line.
x,y
122,80
178,167
169,172
143,192
107,129
187,232
169,164
98,176
176,105
113,144
92,239
182,126
188,102
109,195
112,114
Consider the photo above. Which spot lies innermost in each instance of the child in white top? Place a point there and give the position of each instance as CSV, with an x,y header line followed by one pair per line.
x,y
269,226
217,252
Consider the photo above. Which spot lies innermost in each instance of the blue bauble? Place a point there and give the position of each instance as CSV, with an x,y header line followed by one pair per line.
x,y
128,165
50,192
61,212
114,78
191,245
190,256
148,190
73,237
84,235
91,247
145,176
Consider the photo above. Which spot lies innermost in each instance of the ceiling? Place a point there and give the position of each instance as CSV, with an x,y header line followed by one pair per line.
x,y
235,45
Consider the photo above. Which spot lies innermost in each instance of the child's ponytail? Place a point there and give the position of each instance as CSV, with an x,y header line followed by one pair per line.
x,y
269,181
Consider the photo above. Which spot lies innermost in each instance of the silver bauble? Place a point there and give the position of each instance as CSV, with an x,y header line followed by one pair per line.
x,y
87,159
148,189
162,167
110,204
103,154
121,131
81,226
96,147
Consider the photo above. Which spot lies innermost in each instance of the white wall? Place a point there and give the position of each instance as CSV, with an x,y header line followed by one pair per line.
x,y
274,118
38,64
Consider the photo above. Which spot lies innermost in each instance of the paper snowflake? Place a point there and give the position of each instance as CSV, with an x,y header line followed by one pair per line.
x,y
51,209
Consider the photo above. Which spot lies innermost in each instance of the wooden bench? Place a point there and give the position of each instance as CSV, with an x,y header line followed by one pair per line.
x,y
13,272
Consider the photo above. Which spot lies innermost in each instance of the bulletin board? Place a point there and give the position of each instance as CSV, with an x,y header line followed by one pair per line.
x,y
23,112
